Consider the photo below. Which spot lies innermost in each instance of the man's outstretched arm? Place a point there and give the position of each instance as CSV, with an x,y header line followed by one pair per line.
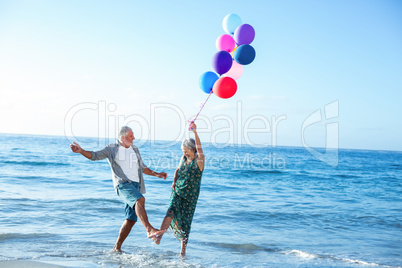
x,y
76,148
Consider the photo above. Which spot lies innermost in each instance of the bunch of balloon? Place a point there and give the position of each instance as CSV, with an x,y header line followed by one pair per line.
x,y
234,51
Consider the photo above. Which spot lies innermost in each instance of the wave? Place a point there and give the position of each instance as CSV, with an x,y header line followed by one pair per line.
x,y
91,201
36,163
244,248
19,149
308,255
23,199
262,171
258,172
143,258
347,176
250,248
11,236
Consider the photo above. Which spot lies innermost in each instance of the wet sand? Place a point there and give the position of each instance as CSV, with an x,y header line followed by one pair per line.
x,y
27,264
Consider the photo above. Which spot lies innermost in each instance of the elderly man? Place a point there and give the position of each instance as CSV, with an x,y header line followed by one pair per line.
x,y
127,168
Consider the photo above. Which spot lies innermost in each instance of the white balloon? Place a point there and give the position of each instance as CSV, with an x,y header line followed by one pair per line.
x,y
231,22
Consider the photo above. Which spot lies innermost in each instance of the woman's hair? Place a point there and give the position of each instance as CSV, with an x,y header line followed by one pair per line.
x,y
189,144
124,130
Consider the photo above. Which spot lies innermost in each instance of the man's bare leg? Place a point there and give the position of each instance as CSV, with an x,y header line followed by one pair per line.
x,y
142,215
124,231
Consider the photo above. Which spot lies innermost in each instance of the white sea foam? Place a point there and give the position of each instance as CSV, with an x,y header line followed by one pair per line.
x,y
303,254
308,255
145,258
358,262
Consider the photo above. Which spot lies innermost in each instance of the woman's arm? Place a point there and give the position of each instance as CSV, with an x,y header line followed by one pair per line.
x,y
175,179
201,157
176,174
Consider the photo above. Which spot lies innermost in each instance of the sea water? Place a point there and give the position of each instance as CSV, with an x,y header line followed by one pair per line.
x,y
258,207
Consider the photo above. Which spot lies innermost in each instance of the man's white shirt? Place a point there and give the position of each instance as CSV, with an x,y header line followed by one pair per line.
x,y
128,161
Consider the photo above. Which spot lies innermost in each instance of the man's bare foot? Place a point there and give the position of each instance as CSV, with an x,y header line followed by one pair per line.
x,y
155,232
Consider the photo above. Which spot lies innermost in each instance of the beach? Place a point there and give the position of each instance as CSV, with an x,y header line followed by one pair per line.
x,y
258,207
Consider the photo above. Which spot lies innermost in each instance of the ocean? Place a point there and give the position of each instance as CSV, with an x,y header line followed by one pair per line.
x,y
258,207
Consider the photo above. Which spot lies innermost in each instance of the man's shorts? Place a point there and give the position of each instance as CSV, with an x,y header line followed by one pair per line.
x,y
130,192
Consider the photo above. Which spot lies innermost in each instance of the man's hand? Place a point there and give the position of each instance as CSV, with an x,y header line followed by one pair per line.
x,y
161,175
76,148
149,172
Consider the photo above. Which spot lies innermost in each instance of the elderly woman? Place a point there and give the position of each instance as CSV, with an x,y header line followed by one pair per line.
x,y
186,189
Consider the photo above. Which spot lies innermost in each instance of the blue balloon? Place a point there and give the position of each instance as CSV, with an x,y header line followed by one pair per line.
x,y
231,22
244,54
222,62
207,81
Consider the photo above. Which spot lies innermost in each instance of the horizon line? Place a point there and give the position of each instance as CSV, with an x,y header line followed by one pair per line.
x,y
227,144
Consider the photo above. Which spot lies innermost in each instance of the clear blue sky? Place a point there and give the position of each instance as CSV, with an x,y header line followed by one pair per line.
x,y
142,60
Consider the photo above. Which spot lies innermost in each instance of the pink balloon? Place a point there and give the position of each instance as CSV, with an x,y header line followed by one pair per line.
x,y
235,71
225,42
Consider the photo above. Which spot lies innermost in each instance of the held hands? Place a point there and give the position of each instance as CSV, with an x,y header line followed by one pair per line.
x,y
75,147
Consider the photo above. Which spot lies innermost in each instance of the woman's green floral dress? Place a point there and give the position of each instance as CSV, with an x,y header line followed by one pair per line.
x,y
184,198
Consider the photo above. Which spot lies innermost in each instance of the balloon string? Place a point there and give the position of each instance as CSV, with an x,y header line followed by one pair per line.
x,y
202,106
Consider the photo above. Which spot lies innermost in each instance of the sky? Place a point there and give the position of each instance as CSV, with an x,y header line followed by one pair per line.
x,y
326,73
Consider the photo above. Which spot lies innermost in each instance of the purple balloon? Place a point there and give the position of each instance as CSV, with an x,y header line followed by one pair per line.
x,y
222,62
244,34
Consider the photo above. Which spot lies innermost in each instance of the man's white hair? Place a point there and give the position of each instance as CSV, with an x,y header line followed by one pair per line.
x,y
124,130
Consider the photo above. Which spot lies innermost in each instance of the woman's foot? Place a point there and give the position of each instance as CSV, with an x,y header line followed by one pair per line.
x,y
155,232
117,250
157,239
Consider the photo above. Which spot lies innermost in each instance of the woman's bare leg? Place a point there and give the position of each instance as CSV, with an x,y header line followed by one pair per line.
x,y
183,247
164,226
